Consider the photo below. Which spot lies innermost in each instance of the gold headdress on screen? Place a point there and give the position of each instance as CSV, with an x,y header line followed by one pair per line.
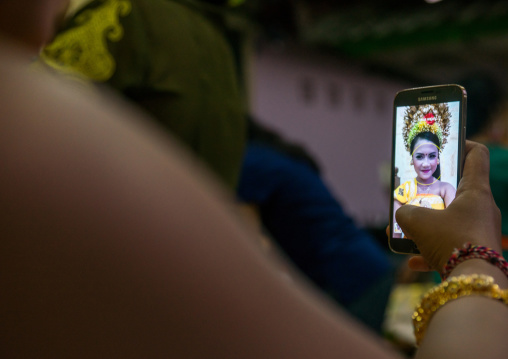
x,y
426,118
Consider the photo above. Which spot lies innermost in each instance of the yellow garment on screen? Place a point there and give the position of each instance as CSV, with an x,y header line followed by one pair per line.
x,y
406,193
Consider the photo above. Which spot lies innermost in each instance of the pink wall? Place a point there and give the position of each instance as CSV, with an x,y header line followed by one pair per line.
x,y
341,115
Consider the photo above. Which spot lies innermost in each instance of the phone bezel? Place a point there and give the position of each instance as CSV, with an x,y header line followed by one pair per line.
x,y
409,97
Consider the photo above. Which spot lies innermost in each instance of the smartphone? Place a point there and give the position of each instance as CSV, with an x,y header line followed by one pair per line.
x,y
427,152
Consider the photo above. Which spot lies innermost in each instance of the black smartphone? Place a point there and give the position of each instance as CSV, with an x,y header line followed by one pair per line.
x,y
427,152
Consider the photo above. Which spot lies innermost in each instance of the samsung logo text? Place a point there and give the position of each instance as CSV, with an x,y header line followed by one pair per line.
x,y
427,98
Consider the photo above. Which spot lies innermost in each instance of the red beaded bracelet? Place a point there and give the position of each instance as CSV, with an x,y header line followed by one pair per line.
x,y
474,252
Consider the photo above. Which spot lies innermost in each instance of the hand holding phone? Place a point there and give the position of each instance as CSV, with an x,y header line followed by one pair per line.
x,y
474,217
427,152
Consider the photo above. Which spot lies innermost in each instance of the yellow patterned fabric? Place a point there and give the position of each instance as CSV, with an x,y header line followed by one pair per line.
x,y
406,193
173,61
84,47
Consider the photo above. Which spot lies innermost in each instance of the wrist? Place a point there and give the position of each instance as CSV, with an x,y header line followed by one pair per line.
x,y
481,266
470,252
455,287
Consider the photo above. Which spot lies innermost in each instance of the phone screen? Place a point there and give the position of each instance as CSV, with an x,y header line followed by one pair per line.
x,y
426,164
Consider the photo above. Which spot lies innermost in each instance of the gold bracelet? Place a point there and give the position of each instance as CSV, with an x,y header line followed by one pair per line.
x,y
453,288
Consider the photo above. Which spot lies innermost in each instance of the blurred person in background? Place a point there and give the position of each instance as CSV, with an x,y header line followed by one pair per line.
x,y
282,184
171,58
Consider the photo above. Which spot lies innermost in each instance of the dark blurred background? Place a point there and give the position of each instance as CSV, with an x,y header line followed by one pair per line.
x,y
410,40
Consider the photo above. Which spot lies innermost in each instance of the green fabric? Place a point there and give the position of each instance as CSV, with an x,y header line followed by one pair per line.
x,y
370,307
499,181
176,64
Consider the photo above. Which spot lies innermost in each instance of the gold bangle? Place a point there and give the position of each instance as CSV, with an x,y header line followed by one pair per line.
x,y
453,288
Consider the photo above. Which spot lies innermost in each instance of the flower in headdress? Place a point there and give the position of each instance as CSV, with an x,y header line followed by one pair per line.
x,y
426,118
430,118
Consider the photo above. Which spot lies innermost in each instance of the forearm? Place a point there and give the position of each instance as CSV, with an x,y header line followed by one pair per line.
x,y
463,328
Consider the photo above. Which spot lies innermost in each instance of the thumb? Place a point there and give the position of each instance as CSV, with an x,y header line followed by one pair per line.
x,y
415,221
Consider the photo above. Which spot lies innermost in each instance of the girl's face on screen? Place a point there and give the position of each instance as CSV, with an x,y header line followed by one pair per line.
x,y
425,159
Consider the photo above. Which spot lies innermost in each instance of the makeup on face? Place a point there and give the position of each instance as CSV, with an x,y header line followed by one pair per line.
x,y
425,160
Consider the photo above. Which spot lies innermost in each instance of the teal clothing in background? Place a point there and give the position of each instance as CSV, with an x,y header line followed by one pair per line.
x,y
171,60
499,181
